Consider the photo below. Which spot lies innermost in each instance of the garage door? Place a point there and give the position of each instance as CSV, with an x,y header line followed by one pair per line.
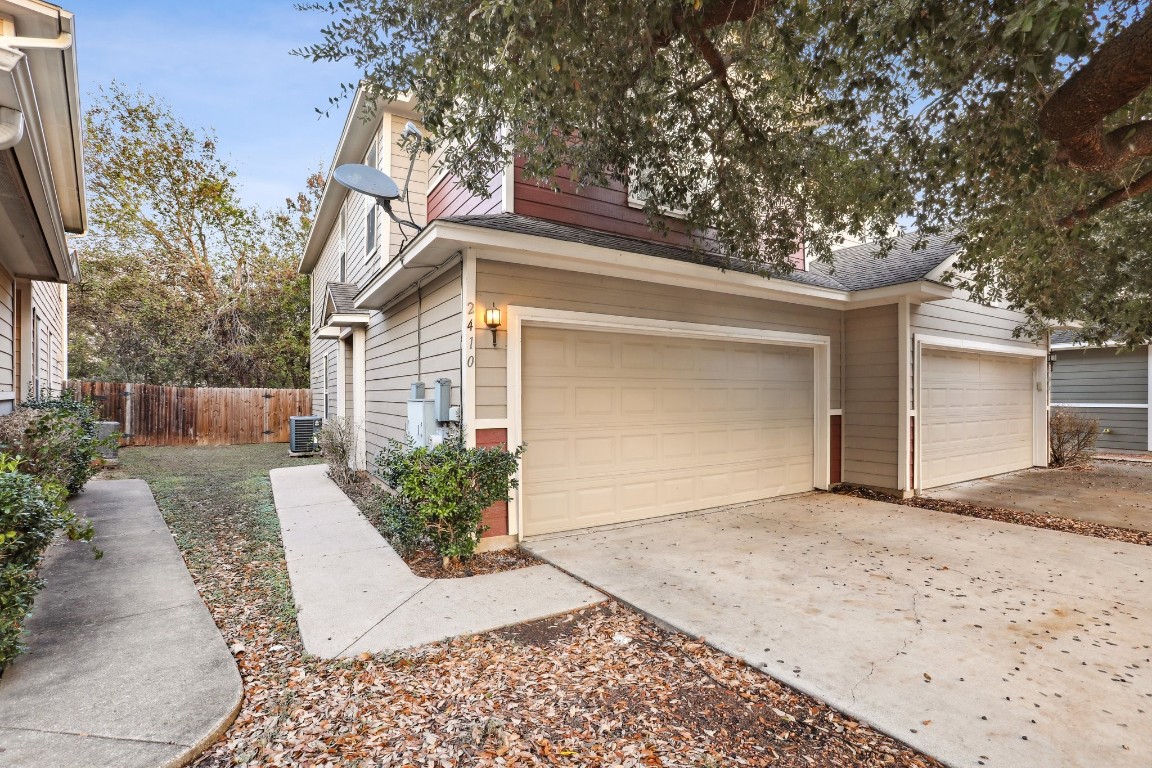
x,y
623,427
976,415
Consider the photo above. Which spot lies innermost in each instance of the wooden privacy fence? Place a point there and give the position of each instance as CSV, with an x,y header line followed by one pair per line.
x,y
150,414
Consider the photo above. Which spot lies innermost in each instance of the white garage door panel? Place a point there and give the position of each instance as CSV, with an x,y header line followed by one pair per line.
x,y
622,427
976,415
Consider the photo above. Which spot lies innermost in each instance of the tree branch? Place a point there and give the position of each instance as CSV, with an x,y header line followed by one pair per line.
x,y
1135,189
1074,117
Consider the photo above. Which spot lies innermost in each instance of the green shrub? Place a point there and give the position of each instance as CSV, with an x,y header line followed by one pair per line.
x,y
31,513
400,524
56,438
447,488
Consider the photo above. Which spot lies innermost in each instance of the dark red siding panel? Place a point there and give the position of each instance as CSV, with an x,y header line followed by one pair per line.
x,y
834,442
604,209
911,452
496,516
449,198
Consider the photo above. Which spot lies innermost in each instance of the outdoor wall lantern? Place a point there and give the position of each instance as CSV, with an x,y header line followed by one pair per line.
x,y
492,320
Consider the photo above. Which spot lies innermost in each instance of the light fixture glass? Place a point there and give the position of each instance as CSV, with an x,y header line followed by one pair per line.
x,y
492,317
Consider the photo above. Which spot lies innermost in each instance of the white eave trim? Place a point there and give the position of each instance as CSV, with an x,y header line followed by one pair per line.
x,y
440,239
350,149
35,164
329,332
348,320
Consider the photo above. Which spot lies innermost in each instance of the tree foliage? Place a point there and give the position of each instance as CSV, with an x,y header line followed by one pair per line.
x,y
768,121
181,283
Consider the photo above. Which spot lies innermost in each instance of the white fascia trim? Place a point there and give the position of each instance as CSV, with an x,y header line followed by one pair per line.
x,y
353,144
968,345
329,332
348,320
937,273
1100,405
519,316
517,248
508,190
1106,345
35,165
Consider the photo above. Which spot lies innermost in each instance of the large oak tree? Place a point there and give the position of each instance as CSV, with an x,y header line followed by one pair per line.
x,y
1021,126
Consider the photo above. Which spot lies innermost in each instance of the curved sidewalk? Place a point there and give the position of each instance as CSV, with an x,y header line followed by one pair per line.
x,y
125,666
354,594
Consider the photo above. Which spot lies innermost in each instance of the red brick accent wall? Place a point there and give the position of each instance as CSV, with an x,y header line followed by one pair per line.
x,y
834,441
496,516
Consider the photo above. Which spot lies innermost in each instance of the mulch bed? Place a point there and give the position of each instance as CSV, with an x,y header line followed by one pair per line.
x,y
1051,522
366,494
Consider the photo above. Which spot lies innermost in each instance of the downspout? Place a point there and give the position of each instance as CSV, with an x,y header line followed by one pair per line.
x,y
11,127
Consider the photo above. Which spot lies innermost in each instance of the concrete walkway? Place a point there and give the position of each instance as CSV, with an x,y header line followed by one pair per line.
x,y
125,666
971,640
1110,493
353,592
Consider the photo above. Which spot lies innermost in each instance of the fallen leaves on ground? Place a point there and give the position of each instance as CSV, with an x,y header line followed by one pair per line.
x,y
566,691
1033,519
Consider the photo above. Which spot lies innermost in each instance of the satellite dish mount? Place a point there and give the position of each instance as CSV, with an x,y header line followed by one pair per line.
x,y
379,186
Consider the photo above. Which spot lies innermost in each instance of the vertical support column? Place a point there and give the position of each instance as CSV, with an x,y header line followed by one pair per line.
x,y
359,380
468,317
341,379
903,425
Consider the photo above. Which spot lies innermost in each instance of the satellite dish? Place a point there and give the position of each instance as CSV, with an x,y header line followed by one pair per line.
x,y
367,181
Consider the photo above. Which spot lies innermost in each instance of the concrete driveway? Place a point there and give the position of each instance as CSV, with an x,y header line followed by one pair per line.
x,y
1109,493
980,643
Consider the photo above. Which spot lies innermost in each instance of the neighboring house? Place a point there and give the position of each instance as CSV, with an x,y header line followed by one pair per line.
x,y
41,195
1109,384
644,382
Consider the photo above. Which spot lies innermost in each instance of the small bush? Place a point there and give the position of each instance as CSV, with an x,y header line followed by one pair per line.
x,y
31,513
401,525
338,443
1071,437
56,438
447,488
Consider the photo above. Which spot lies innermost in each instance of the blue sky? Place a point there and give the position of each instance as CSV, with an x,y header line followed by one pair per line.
x,y
225,66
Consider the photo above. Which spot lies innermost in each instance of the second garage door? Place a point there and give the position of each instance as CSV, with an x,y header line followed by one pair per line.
x,y
622,427
977,414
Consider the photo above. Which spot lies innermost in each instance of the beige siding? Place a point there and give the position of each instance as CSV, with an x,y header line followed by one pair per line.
x,y
871,386
418,339
503,284
417,188
9,342
959,319
49,304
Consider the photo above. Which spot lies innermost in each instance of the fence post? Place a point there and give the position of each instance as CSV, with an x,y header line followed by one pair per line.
x,y
128,412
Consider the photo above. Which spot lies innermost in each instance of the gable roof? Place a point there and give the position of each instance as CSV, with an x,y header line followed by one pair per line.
x,y
342,298
852,269
861,267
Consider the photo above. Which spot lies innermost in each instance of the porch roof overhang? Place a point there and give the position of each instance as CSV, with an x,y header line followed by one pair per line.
x,y
442,240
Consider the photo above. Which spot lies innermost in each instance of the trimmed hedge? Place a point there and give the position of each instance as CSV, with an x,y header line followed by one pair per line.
x,y
32,512
441,492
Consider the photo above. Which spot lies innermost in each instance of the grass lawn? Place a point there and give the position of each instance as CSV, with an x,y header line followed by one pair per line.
x,y
601,687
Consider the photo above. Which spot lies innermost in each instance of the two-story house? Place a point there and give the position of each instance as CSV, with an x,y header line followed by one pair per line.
x,y
643,381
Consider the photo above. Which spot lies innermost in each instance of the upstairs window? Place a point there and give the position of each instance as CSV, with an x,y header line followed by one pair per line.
x,y
370,216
